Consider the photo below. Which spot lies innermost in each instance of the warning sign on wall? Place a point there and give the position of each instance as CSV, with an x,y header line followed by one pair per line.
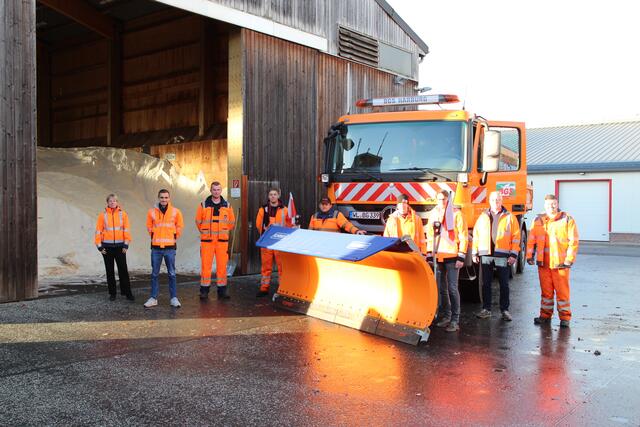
x,y
235,188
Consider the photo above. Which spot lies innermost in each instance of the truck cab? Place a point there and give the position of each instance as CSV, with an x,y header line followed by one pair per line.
x,y
371,158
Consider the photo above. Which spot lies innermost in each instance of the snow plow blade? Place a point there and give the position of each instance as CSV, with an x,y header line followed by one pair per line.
x,y
376,284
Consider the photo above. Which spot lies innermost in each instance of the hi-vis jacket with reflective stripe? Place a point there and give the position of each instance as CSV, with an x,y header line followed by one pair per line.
x,y
335,221
282,218
164,228
553,240
448,247
507,236
215,226
411,225
112,228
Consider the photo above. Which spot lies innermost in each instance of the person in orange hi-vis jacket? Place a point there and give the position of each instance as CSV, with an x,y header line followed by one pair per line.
x,y
496,242
450,254
273,212
330,219
112,240
553,246
214,220
165,225
406,222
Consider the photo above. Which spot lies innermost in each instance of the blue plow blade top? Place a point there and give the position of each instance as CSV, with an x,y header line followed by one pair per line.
x,y
323,244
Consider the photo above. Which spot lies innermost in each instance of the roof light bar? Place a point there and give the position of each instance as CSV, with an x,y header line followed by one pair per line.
x,y
407,100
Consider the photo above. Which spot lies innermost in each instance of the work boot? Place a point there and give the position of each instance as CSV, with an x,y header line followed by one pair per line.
x,y
565,323
483,314
541,320
506,316
262,293
443,323
222,293
204,292
453,327
130,297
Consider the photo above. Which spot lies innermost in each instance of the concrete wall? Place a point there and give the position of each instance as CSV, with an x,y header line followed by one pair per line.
x,y
625,199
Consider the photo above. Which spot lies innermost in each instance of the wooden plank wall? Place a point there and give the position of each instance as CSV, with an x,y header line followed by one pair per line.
x,y
292,95
194,158
79,82
161,64
170,74
18,212
321,17
279,122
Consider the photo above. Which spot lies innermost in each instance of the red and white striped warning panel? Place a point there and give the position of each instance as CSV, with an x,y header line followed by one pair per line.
x,y
389,191
478,194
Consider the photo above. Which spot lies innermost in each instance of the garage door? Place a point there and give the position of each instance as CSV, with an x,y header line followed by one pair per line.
x,y
588,202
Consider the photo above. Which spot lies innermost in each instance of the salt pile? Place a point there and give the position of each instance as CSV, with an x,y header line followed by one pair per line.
x,y
72,187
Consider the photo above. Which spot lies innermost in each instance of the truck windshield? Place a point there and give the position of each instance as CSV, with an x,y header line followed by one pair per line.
x,y
401,146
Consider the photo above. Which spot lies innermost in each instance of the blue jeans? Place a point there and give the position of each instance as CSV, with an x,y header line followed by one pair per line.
x,y
448,289
169,256
487,278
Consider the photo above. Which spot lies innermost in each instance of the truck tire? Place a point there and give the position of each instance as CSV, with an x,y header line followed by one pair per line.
x,y
522,256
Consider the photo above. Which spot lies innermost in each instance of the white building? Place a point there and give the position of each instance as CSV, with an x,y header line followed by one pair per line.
x,y
594,170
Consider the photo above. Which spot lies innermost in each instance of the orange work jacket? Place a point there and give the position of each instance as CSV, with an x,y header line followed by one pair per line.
x,y
507,241
112,228
164,228
452,244
215,226
554,241
410,225
335,222
282,218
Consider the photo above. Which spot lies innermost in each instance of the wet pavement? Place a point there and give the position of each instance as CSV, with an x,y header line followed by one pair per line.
x,y
75,358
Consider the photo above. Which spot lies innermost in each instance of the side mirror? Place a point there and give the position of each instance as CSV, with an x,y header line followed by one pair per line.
x,y
491,151
347,143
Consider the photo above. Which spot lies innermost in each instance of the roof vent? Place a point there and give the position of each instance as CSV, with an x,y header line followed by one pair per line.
x,y
357,46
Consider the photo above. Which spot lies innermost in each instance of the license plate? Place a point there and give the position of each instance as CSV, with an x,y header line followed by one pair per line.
x,y
364,215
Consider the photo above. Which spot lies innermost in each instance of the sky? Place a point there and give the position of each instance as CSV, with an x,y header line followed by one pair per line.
x,y
543,62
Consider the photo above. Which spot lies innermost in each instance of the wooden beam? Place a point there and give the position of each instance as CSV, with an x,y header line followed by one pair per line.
x,y
43,60
206,75
83,14
114,93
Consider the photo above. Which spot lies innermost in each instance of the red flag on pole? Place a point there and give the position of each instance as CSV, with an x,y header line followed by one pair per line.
x,y
291,209
447,220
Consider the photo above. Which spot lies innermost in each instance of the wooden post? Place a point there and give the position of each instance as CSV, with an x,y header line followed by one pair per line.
x,y
235,122
44,94
205,99
18,218
114,96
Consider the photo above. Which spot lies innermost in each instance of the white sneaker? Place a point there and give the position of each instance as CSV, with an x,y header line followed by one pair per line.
x,y
151,302
174,302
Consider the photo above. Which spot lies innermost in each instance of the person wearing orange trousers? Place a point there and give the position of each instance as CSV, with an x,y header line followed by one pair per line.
x,y
553,246
214,220
273,212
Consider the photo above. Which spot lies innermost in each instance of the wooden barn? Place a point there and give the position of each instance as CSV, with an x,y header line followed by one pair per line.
x,y
240,90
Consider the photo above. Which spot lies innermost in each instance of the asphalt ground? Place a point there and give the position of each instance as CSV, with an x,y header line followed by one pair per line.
x,y
72,357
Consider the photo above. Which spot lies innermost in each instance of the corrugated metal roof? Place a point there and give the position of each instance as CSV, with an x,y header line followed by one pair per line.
x,y
602,147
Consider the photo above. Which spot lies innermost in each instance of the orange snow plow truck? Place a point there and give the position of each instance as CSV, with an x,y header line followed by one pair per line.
x,y
369,160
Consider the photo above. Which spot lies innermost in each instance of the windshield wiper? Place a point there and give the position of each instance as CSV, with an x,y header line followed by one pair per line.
x,y
428,170
370,175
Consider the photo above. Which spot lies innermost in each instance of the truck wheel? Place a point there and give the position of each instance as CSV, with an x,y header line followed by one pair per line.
x,y
522,256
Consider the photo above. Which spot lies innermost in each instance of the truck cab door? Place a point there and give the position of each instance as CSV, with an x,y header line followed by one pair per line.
x,y
510,178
